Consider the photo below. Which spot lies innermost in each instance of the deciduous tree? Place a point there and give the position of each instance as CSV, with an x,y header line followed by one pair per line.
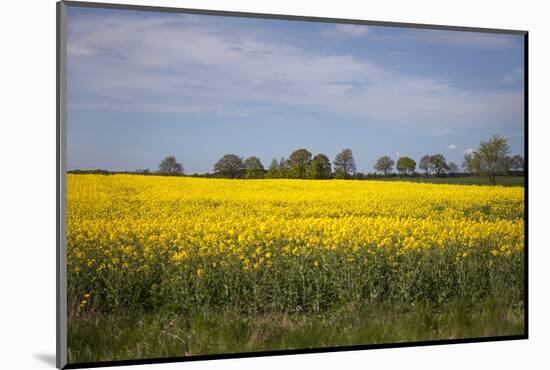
x,y
344,164
405,165
438,164
425,164
453,168
470,164
517,163
254,168
284,168
320,167
170,166
299,162
273,170
491,158
230,165
384,164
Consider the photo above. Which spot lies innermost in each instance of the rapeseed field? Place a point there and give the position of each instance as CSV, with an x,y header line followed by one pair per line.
x,y
148,242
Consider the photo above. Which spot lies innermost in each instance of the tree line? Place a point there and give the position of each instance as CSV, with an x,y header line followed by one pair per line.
x,y
301,164
491,159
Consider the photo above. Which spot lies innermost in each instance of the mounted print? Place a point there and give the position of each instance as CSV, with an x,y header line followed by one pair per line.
x,y
234,184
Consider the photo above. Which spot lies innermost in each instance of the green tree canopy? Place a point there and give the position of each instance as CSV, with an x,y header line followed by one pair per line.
x,y
284,168
230,165
299,162
470,164
320,167
384,164
406,165
491,159
438,164
254,168
273,169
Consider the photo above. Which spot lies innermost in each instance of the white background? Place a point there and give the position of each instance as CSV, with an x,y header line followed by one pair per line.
x,y
27,182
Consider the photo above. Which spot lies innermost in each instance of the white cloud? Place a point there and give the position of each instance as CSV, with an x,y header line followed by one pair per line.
x,y
469,151
451,147
80,49
350,30
183,64
464,38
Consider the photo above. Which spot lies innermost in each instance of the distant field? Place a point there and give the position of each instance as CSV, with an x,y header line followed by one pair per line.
x,y
470,180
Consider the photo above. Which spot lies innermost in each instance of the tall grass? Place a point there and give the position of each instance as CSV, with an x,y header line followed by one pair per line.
x,y
171,332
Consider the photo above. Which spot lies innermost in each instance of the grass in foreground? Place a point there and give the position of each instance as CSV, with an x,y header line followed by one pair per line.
x,y
170,332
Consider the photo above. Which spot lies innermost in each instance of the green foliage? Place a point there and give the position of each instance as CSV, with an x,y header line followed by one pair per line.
x,y
299,162
254,168
471,163
464,180
174,332
230,165
273,170
491,159
284,169
320,168
384,164
406,165
344,164
438,164
316,282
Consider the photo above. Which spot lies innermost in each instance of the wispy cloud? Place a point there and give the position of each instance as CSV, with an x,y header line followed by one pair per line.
x,y
451,147
469,151
80,49
463,38
188,64
347,31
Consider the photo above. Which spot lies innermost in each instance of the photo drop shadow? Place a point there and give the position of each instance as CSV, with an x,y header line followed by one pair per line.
x,y
47,358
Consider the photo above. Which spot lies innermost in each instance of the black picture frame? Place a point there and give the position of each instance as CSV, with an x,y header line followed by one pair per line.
x,y
61,167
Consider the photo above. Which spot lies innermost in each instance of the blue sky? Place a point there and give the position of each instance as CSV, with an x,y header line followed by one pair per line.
x,y
145,85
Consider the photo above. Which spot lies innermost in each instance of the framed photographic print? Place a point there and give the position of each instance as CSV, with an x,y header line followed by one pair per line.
x,y
235,184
